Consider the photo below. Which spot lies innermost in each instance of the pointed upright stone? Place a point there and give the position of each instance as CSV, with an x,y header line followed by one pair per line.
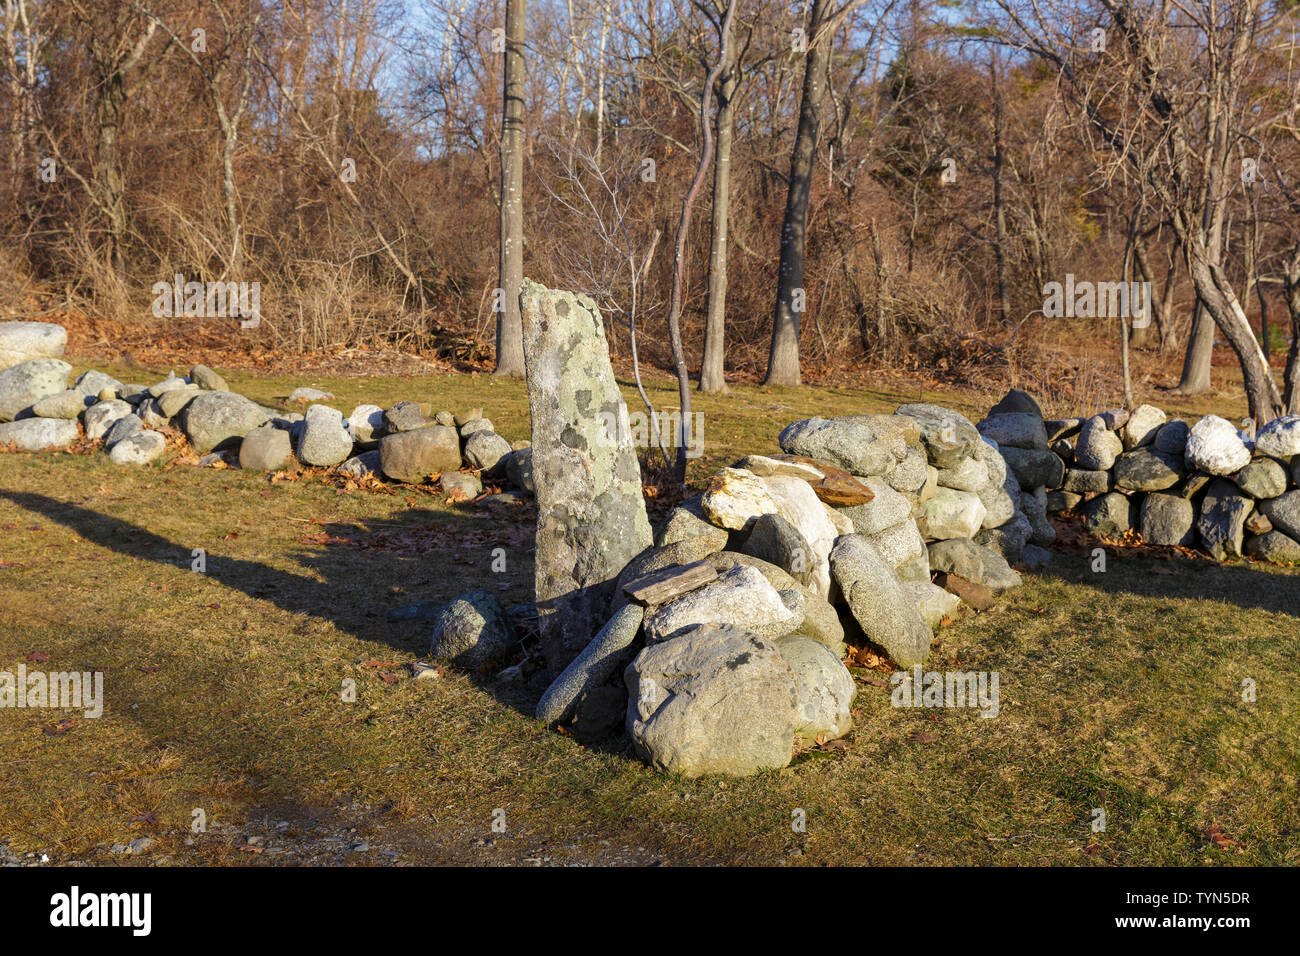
x,y
591,517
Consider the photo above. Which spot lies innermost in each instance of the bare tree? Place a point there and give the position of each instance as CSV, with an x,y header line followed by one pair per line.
x,y
510,273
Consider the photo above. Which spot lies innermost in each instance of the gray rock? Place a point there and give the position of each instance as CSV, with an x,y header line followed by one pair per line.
x,y
92,382
172,403
741,597
1280,438
824,686
951,514
408,417
886,612
66,404
1063,449
1142,426
948,436
1171,438
885,510
39,434
475,425
1147,469
307,394
777,541
1262,478
101,416
903,548
519,470
1015,430
1062,501
933,602
123,428
971,475
1059,429
412,456
1008,540
23,341
1097,447
1109,515
713,700
820,622
25,384
1274,547
1034,557
591,517
172,381
1017,401
464,418
139,449
854,446
472,631
1167,520
1083,481
366,424
216,420
909,476
445,418
609,652
325,439
1035,468
460,484
363,465
205,378
485,450
1284,512
265,448
1222,522
974,562
1034,506
687,521
1215,447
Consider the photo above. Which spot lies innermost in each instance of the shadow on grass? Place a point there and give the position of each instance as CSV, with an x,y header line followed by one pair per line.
x,y
1243,584
334,599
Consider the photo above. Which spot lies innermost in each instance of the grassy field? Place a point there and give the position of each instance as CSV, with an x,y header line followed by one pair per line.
x,y
1120,690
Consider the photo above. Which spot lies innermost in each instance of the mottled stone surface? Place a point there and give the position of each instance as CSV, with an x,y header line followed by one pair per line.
x,y
591,517
23,385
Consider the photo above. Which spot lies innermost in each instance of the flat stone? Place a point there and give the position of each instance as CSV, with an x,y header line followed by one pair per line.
x,y
460,485
973,595
855,446
66,404
886,509
687,521
408,417
1035,468
205,378
971,475
1274,547
668,584
741,597
1146,469
1084,481
364,465
305,394
1060,428
123,428
974,562
1058,501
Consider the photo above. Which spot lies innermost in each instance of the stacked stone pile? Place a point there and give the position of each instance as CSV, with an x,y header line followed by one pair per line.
x,y
409,442
1208,486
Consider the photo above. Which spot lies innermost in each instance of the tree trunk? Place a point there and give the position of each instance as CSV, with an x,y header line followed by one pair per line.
x,y
1292,378
510,330
112,188
783,359
712,376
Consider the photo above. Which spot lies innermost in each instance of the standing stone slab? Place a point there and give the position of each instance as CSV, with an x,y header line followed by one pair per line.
x,y
591,517
609,651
